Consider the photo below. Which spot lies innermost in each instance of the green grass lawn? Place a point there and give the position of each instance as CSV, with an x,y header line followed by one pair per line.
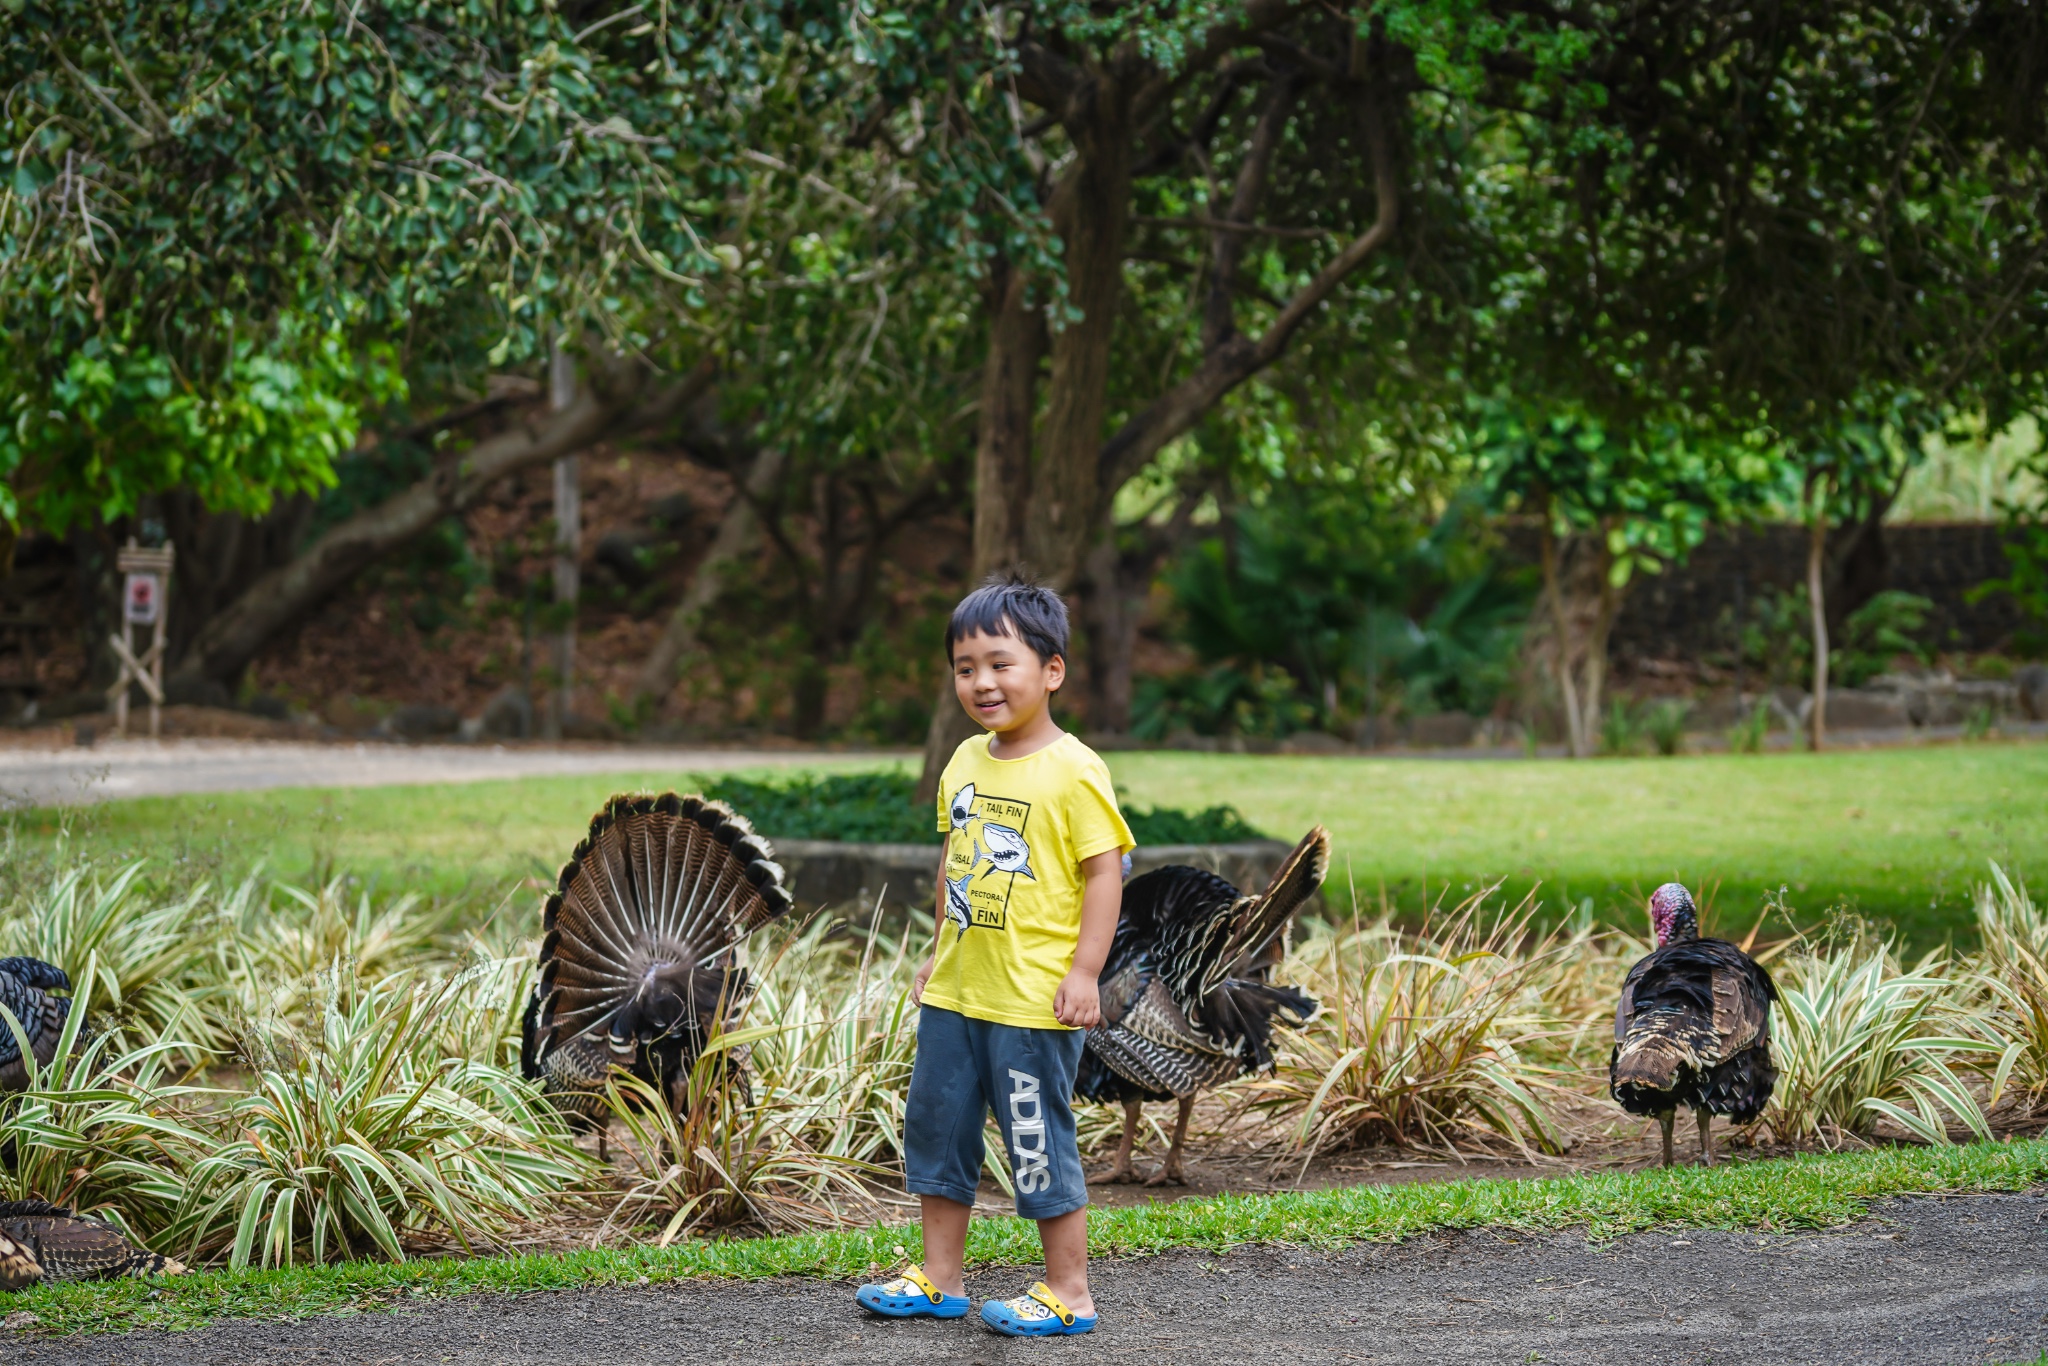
x,y
1812,1191
1897,834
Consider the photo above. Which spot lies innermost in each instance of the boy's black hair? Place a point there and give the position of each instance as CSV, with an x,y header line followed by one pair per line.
x,y
1008,604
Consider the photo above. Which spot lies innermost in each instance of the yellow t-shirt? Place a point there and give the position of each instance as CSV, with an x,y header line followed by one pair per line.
x,y
1016,832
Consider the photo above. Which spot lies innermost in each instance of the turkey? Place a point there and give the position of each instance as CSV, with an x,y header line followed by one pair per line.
x,y
25,987
1693,1028
641,955
1187,1003
62,1245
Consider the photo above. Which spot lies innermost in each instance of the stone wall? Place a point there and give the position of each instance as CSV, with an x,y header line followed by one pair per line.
x,y
1677,614
850,878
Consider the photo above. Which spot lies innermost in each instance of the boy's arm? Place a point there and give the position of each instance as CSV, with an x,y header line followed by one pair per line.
x,y
924,971
1078,1003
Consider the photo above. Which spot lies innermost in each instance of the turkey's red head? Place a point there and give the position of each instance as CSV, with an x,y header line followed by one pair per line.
x,y
1672,915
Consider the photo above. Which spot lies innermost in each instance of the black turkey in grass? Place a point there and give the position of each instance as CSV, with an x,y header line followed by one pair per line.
x,y
63,1245
26,987
640,964
1694,1027
1187,997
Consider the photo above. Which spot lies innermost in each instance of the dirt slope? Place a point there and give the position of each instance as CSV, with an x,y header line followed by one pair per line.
x,y
1927,1281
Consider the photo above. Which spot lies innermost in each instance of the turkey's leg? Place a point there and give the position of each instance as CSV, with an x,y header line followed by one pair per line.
x,y
1171,1171
1705,1120
1665,1120
1121,1171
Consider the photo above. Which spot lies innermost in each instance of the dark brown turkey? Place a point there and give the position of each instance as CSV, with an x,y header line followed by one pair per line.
x,y
1187,997
26,987
1693,1028
641,960
52,1243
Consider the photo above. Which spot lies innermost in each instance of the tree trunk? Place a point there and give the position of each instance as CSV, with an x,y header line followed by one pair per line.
x,y
738,534
282,598
1595,681
1816,602
1561,631
1111,619
568,547
1002,480
1091,208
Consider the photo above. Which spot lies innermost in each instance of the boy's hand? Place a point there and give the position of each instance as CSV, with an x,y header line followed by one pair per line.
x,y
924,974
1078,1002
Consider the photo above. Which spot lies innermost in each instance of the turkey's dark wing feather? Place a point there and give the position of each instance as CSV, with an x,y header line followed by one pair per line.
x,y
1185,1003
34,971
41,1017
1693,1027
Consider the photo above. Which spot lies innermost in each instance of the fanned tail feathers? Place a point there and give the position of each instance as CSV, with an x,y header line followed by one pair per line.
x,y
660,889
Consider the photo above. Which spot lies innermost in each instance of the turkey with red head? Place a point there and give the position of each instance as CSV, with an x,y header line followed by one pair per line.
x,y
1693,1028
1188,1001
641,963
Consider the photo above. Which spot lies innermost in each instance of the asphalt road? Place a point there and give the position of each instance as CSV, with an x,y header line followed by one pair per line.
x,y
1926,1282
143,768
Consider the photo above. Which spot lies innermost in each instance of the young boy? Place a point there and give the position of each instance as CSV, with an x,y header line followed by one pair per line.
x,y
1029,890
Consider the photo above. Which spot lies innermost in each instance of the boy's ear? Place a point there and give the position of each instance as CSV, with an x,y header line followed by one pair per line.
x,y
1055,672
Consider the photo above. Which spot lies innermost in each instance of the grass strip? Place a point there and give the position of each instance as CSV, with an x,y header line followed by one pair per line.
x,y
1801,1192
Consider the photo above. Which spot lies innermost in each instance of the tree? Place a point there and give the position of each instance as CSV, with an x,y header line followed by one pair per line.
x,y
1167,134
1608,505
440,189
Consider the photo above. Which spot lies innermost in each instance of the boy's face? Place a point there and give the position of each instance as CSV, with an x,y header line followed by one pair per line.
x,y
1001,681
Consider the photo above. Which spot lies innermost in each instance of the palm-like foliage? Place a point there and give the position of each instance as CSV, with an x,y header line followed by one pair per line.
x,y
2013,967
1422,1038
99,1129
358,1134
145,958
1857,1039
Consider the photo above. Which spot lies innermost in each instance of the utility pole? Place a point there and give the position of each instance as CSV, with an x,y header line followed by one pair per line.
x,y
568,544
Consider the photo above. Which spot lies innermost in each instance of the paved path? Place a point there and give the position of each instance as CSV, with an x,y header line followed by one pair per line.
x,y
1927,1282
143,768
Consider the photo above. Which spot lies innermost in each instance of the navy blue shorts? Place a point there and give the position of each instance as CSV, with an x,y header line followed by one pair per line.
x,y
966,1068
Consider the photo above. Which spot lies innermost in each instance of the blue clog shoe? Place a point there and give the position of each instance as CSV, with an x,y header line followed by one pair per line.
x,y
1036,1314
912,1296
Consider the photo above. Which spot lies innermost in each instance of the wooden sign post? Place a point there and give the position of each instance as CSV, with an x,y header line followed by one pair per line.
x,y
145,601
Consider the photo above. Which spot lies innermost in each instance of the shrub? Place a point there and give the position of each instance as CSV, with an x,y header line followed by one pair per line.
x,y
883,808
2014,973
143,960
1857,1039
1664,722
1422,1036
359,1134
99,1129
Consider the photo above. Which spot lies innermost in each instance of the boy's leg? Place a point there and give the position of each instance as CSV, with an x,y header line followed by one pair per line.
x,y
945,1241
1033,1086
943,1117
1065,1240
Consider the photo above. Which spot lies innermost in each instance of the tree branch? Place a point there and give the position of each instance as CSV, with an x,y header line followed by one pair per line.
x,y
1238,358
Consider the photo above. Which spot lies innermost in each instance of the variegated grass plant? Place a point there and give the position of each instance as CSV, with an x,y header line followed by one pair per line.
x,y
1858,1038
99,1128
363,1132
2012,964
149,955
790,1114
1424,1037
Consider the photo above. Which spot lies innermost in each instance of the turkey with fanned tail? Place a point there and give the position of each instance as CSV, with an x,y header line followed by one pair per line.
x,y
1187,997
641,963
1693,1027
51,1243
